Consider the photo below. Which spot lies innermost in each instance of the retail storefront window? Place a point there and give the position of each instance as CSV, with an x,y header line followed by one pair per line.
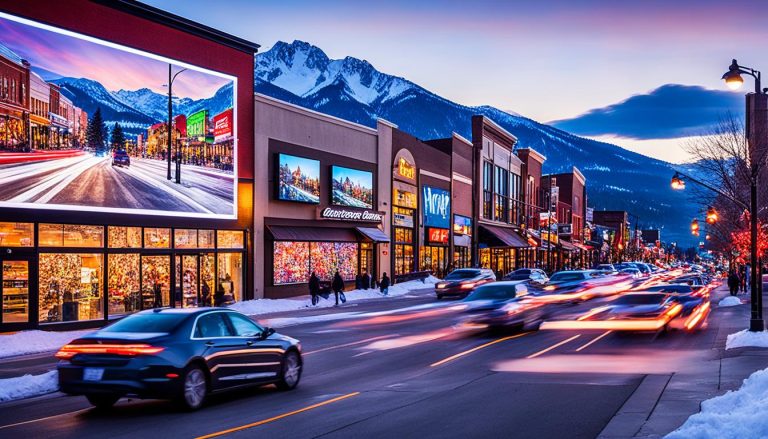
x,y
229,239
157,237
17,234
155,281
124,237
185,238
230,279
294,261
291,262
461,257
123,283
207,277
403,259
434,259
70,287
205,238
500,260
68,235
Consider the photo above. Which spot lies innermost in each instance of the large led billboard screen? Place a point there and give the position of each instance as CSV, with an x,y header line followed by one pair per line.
x,y
351,187
84,126
298,179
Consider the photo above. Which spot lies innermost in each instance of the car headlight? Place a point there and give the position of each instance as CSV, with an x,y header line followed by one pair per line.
x,y
468,286
441,285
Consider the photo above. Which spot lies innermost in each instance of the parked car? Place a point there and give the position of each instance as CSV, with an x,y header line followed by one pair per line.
x,y
606,269
634,272
461,282
504,304
178,354
529,274
121,158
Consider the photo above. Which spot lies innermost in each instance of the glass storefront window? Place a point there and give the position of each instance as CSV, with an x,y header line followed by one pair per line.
x,y
325,258
185,238
207,277
70,287
17,234
205,238
15,291
124,237
155,237
291,262
123,283
186,293
69,235
229,239
434,259
155,281
229,279
403,259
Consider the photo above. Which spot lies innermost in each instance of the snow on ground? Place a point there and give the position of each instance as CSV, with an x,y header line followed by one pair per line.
x,y
33,342
736,414
747,338
28,385
266,306
730,301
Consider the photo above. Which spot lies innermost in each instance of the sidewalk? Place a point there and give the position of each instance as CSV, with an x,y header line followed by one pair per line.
x,y
662,403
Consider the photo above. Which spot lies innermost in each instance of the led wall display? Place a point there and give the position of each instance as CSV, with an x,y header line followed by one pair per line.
x,y
437,207
351,187
298,179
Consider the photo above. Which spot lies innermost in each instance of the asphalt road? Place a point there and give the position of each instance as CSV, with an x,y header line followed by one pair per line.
x,y
399,368
86,180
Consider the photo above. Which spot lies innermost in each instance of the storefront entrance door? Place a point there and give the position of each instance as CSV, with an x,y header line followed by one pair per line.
x,y
187,281
15,278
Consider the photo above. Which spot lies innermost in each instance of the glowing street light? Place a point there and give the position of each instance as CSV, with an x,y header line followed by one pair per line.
x,y
712,216
695,227
733,79
677,182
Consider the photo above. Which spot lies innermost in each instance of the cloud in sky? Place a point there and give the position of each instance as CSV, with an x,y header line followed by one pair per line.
x,y
114,68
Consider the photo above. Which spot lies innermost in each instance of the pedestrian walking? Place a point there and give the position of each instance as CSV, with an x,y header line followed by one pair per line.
x,y
366,280
314,288
733,282
747,276
337,285
384,284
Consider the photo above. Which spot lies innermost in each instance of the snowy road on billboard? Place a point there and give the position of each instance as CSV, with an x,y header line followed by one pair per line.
x,y
87,180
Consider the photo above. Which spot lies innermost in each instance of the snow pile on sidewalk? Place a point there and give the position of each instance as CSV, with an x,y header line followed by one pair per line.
x,y
267,306
747,338
736,414
28,385
33,342
729,301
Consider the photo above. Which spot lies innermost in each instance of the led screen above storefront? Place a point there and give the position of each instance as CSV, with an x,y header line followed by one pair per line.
x,y
96,90
351,187
298,179
437,207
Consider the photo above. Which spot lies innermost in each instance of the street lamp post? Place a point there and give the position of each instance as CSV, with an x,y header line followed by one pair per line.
x,y
171,78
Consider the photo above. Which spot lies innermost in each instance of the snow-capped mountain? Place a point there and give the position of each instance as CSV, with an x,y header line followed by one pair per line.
x,y
353,89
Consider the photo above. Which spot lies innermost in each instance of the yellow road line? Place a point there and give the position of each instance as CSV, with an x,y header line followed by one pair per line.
x,y
593,340
349,344
554,346
477,348
43,419
276,418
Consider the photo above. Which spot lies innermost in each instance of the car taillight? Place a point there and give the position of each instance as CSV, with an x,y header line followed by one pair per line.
x,y
468,286
129,350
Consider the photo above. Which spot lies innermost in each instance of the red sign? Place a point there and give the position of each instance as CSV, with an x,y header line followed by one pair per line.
x,y
223,124
437,236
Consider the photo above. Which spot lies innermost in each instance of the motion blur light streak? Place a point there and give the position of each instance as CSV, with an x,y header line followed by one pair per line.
x,y
367,340
476,348
554,346
410,340
642,362
581,348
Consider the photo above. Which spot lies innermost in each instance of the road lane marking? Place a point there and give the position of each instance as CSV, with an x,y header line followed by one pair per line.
x,y
350,344
43,419
554,346
278,417
593,340
476,348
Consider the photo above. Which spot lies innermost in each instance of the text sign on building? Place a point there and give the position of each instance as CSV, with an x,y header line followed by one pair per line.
x,y
406,169
437,236
462,225
342,214
402,220
223,126
437,207
564,229
196,124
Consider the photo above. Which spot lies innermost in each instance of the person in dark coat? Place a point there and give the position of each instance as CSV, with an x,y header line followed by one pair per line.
x,y
337,285
359,281
206,294
366,280
314,287
733,282
384,284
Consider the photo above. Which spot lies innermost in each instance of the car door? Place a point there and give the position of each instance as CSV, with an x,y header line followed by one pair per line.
x,y
225,354
265,357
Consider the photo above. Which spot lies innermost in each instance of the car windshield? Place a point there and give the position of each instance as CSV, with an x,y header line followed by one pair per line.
x,y
522,271
640,299
493,292
154,322
462,274
671,289
605,267
563,277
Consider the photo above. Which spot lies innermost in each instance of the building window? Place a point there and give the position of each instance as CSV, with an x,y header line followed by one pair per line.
x,y
155,281
123,283
403,259
17,234
70,287
291,262
501,205
185,238
124,237
67,235
294,261
155,237
229,239
487,190
205,238
434,259
461,257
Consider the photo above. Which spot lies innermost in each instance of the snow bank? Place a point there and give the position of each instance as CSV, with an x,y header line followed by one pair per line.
x,y
266,306
28,385
33,342
736,414
747,338
730,301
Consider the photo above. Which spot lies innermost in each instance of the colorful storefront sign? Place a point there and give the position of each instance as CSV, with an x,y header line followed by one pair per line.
x,y
223,126
437,207
437,236
462,225
196,125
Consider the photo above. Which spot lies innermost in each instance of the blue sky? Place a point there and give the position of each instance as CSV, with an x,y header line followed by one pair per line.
x,y
309,167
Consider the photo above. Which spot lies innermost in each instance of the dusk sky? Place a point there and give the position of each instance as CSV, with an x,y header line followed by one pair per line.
x,y
113,68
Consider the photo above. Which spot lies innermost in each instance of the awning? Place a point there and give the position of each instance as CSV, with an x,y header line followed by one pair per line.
x,y
581,246
462,240
373,233
567,246
495,236
333,234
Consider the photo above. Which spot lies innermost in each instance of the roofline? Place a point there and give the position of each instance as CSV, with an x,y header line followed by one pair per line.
x,y
580,176
461,138
386,122
258,97
180,23
498,127
536,154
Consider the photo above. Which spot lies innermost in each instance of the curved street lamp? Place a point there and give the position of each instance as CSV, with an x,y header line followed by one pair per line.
x,y
733,78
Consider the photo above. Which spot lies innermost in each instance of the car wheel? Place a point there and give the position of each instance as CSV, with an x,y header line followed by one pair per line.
x,y
194,390
102,401
439,297
290,373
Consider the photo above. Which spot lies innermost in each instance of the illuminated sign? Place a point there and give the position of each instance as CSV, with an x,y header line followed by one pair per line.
x,y
405,169
342,214
351,187
298,179
404,198
437,207
437,236
462,225
196,124
223,125
402,220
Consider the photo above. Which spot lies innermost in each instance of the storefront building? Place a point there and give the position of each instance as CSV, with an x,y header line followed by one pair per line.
x,y
77,254
14,104
532,165
322,202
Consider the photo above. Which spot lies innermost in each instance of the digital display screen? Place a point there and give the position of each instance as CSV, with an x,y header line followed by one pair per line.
x,y
351,187
437,207
298,179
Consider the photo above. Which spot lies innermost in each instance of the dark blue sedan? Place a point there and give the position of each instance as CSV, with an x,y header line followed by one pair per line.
x,y
177,354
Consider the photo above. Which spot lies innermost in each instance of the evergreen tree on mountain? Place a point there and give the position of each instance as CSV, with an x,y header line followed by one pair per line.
x,y
96,134
118,137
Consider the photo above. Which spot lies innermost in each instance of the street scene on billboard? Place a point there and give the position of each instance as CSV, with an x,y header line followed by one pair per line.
x,y
352,187
91,130
299,179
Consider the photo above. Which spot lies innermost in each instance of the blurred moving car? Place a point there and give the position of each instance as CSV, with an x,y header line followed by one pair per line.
x,y
696,306
579,285
120,158
529,274
637,311
634,272
504,304
462,281
606,269
178,354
